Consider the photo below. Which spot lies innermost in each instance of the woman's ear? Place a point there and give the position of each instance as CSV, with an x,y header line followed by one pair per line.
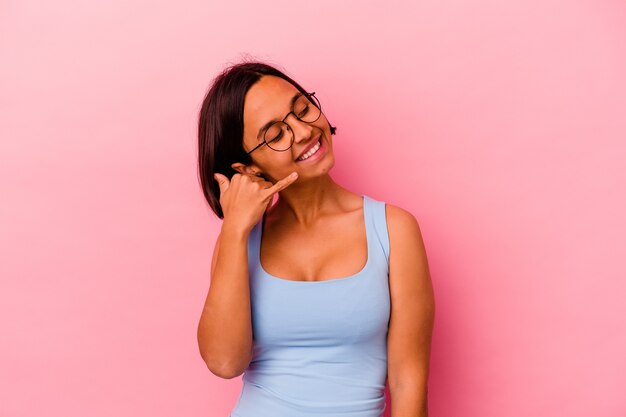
x,y
245,169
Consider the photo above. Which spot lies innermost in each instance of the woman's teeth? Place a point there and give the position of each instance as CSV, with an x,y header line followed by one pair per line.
x,y
310,152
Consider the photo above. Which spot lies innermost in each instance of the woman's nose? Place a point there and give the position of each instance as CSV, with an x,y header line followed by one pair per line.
x,y
301,130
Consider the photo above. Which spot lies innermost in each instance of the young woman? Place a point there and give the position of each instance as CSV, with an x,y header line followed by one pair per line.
x,y
323,297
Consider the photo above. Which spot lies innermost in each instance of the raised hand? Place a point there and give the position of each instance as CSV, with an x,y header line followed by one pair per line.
x,y
245,197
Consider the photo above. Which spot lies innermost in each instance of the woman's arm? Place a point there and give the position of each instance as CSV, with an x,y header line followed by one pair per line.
x,y
412,316
225,327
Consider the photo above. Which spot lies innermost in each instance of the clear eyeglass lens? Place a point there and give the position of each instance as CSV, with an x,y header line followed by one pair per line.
x,y
279,135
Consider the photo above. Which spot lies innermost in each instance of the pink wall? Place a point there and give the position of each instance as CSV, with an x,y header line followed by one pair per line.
x,y
500,125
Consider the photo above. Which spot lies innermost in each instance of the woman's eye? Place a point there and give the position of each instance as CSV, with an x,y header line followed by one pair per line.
x,y
277,138
303,112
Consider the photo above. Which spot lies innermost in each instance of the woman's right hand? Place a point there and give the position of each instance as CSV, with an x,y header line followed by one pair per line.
x,y
245,197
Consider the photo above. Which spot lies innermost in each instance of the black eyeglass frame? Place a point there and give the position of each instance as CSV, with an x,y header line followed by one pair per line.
x,y
307,95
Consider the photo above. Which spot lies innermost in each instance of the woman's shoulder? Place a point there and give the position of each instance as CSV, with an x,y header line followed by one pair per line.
x,y
399,215
395,213
403,226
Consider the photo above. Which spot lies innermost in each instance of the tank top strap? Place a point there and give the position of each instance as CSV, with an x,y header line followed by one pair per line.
x,y
377,219
254,247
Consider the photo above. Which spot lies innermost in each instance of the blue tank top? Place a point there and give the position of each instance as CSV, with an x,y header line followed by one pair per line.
x,y
319,347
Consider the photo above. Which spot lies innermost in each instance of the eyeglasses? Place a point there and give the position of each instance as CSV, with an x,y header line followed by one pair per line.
x,y
306,108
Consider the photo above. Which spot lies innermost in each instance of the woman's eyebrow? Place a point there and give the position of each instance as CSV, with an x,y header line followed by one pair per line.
x,y
259,135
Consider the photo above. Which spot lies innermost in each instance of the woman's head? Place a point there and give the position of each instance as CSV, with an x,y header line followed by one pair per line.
x,y
241,101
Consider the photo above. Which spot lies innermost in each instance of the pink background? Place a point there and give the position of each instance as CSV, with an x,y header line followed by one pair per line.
x,y
499,124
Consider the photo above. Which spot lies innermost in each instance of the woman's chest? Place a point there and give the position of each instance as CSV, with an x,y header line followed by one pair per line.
x,y
328,313
335,250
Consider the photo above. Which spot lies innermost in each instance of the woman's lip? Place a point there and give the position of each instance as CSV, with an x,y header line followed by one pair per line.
x,y
317,155
318,138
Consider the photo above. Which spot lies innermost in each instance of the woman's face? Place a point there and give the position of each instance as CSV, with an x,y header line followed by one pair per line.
x,y
270,100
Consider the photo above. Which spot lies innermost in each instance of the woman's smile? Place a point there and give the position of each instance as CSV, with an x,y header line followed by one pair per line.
x,y
315,153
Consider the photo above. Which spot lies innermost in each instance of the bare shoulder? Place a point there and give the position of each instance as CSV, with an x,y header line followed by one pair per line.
x,y
402,225
407,252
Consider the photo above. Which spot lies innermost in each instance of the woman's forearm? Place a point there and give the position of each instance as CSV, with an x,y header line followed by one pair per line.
x,y
409,401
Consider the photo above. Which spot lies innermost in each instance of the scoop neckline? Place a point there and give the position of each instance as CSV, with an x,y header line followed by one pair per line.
x,y
341,279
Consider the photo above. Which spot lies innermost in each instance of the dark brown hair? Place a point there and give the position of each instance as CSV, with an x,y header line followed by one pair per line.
x,y
220,125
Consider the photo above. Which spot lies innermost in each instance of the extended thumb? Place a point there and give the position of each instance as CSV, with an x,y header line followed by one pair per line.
x,y
222,181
